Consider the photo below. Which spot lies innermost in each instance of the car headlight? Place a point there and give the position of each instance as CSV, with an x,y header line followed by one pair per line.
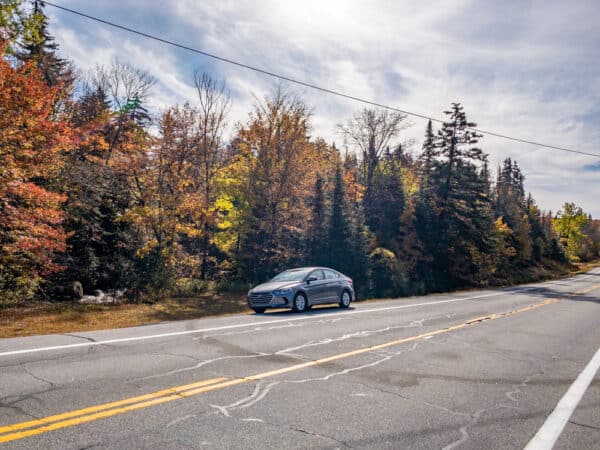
x,y
281,292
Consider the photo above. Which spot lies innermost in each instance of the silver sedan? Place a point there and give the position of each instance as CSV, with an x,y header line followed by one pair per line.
x,y
301,288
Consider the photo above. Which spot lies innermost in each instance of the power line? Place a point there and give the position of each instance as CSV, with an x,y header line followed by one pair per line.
x,y
308,85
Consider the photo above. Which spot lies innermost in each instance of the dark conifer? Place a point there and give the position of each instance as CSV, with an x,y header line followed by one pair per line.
x,y
340,236
511,207
427,158
39,45
462,220
387,203
317,231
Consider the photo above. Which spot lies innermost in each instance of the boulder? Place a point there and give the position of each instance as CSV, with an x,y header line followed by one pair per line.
x,y
103,298
72,290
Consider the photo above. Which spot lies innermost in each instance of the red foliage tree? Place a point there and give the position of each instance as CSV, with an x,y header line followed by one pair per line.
x,y
32,142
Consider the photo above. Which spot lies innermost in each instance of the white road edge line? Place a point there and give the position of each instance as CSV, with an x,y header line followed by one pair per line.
x,y
552,428
267,322
241,325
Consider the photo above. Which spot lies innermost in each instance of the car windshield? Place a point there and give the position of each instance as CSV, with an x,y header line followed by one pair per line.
x,y
292,275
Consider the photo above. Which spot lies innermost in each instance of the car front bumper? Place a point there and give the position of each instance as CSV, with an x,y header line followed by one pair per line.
x,y
270,301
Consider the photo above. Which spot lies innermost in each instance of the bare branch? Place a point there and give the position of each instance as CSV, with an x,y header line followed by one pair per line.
x,y
372,131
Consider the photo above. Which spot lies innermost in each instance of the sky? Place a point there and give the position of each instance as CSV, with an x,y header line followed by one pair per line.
x,y
529,69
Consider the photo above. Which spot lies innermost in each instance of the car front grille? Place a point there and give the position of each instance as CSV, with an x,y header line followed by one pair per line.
x,y
261,298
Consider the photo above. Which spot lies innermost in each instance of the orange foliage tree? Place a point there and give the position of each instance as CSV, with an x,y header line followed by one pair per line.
x,y
179,208
31,145
284,163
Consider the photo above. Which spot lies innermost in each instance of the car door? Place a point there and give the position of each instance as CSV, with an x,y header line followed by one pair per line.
x,y
331,290
315,288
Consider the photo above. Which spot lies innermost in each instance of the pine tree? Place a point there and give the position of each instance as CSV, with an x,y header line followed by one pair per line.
x,y
38,45
93,105
511,208
317,233
11,23
426,225
386,204
340,237
362,244
427,159
462,223
539,239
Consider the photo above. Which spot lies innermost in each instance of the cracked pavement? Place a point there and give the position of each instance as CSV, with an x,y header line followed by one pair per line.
x,y
490,385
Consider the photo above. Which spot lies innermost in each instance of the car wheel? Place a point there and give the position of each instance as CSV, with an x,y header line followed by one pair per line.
x,y
259,310
300,302
345,299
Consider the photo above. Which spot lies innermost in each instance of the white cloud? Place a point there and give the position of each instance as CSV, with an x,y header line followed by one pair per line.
x,y
528,69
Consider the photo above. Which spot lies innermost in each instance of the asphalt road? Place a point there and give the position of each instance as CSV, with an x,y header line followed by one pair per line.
x,y
477,369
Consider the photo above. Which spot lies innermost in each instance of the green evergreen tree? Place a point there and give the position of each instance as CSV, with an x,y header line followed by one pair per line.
x,y
427,159
360,265
339,236
387,203
538,236
317,232
460,237
511,207
11,22
38,45
425,217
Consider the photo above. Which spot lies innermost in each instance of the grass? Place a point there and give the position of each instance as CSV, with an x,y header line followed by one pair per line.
x,y
52,318
584,267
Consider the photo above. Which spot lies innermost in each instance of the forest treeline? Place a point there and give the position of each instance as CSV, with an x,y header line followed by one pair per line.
x,y
96,189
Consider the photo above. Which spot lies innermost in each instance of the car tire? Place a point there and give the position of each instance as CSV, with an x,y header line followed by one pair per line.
x,y
259,310
345,299
300,303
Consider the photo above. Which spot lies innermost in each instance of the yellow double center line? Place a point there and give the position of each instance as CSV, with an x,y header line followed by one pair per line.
x,y
34,427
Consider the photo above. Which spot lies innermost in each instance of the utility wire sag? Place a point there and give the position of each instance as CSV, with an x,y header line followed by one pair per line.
x,y
306,84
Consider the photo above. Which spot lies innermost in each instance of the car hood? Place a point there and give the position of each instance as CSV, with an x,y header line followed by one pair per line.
x,y
272,285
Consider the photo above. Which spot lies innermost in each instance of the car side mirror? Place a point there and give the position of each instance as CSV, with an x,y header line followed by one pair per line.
x,y
309,279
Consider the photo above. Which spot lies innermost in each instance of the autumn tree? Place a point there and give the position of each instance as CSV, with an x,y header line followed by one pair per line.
x,y
91,183
590,250
569,224
165,193
127,90
283,173
211,158
31,147
97,178
180,206
101,246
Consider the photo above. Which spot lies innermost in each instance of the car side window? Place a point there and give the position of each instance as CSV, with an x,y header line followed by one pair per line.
x,y
318,274
330,275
